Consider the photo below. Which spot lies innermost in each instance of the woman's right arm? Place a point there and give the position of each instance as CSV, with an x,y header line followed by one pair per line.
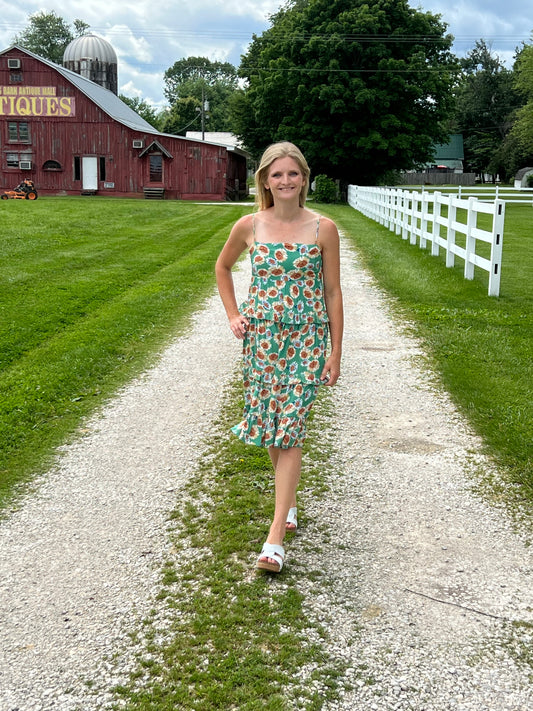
x,y
237,242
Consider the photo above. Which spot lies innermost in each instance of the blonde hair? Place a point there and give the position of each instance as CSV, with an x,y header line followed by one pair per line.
x,y
263,197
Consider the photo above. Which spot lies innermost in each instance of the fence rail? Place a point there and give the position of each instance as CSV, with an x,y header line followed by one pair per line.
x,y
486,192
424,216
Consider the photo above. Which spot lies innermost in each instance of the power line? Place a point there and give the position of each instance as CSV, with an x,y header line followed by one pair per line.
x,y
211,33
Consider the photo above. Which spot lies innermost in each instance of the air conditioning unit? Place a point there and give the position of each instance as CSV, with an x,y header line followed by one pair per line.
x,y
138,143
25,164
13,63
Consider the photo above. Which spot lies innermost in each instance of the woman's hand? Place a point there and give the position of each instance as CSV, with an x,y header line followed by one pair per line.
x,y
331,371
239,325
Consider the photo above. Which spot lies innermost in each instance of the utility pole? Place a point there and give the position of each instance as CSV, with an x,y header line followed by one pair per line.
x,y
203,113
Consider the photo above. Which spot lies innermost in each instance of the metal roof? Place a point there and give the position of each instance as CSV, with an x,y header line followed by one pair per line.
x,y
90,46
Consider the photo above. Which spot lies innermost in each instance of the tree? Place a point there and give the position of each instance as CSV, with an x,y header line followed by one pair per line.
x,y
184,114
361,87
203,80
486,106
48,35
523,128
144,109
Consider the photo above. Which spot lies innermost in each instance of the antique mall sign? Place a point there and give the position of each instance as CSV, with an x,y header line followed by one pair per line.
x,y
26,101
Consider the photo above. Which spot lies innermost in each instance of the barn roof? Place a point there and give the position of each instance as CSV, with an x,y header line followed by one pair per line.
x,y
110,102
523,171
105,99
451,150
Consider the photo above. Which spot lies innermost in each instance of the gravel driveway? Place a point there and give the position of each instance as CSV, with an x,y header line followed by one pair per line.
x,y
426,577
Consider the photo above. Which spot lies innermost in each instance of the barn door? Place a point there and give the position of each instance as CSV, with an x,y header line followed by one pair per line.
x,y
89,173
155,168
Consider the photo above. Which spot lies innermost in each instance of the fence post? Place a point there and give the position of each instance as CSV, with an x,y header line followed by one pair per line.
x,y
412,214
436,224
470,247
405,214
424,220
398,211
387,202
450,232
496,248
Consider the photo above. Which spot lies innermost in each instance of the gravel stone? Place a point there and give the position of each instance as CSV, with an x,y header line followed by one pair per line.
x,y
419,578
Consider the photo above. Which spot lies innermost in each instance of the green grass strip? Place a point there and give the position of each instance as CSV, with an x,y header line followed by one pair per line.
x,y
480,346
233,637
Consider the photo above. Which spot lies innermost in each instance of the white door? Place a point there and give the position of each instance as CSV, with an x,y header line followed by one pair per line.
x,y
89,173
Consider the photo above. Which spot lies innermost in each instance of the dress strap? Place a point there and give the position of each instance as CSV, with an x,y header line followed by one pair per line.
x,y
317,228
253,227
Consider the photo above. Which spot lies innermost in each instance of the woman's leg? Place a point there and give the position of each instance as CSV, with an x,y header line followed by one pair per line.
x,y
273,453
287,478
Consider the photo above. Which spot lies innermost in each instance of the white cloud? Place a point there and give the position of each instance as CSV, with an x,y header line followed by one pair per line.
x,y
128,45
503,26
149,37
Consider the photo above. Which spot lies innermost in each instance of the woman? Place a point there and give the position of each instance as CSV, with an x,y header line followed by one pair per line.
x,y
294,300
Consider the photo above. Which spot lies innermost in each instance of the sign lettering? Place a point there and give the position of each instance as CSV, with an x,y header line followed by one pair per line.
x,y
27,101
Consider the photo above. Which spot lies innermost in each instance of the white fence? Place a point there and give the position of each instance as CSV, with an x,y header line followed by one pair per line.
x,y
419,216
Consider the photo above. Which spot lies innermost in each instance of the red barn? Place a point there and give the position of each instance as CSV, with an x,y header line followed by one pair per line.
x,y
71,136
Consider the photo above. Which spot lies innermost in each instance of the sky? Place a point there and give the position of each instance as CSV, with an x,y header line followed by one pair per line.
x,y
149,36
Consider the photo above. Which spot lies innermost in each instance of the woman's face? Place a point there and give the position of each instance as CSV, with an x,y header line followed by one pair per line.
x,y
284,179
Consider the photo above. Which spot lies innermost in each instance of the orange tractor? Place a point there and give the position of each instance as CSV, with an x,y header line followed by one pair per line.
x,y
25,191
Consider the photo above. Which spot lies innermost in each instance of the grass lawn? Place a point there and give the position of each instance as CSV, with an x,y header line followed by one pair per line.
x,y
481,346
90,289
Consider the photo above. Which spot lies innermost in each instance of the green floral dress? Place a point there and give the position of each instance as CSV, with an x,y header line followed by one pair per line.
x,y
285,345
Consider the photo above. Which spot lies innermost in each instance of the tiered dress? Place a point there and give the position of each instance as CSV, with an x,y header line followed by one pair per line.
x,y
285,345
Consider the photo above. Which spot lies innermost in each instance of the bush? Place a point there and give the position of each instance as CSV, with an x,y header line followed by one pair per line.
x,y
529,180
325,189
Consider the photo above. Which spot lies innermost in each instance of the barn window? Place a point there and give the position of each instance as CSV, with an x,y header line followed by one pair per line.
x,y
12,160
15,78
77,168
156,168
52,165
102,167
18,131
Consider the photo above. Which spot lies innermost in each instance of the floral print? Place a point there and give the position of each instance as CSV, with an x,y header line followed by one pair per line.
x,y
286,283
284,349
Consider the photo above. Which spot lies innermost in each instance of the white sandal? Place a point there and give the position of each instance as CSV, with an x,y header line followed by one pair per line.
x,y
276,553
292,520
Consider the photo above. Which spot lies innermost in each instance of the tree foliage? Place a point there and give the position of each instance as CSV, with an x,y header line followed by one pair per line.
x,y
486,106
144,109
523,128
183,115
48,35
361,87
201,79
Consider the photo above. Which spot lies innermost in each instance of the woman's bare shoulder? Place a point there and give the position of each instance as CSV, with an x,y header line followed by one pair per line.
x,y
328,232
243,228
245,222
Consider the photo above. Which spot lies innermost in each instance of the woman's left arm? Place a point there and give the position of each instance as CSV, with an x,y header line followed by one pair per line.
x,y
329,241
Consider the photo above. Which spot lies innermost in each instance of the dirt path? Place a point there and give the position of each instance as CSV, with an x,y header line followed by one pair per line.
x,y
422,576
